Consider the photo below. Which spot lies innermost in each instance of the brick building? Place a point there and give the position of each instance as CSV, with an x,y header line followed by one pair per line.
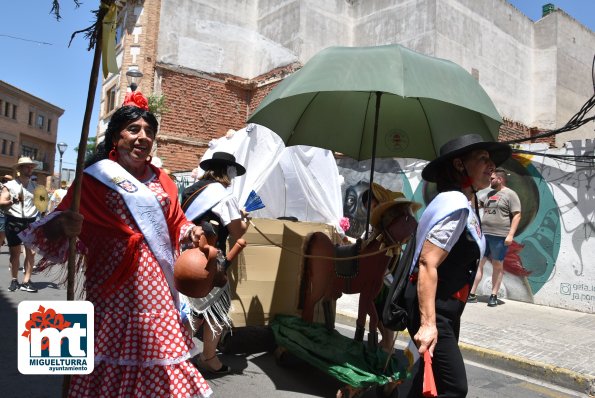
x,y
213,61
28,127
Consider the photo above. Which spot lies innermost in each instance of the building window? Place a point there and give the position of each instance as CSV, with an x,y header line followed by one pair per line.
x,y
14,112
39,123
111,99
49,125
29,152
7,147
30,118
6,109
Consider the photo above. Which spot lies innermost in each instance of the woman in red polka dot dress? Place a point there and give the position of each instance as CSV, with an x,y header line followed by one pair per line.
x,y
129,233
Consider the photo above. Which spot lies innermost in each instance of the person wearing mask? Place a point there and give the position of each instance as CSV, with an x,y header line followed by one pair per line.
x,y
129,229
19,216
211,200
449,244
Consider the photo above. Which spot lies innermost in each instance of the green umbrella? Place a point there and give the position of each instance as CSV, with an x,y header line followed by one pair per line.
x,y
384,101
331,103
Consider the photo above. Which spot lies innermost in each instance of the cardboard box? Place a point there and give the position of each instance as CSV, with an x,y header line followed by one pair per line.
x,y
265,279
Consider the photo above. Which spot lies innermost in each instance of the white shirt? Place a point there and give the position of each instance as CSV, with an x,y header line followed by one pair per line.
x,y
447,231
227,210
25,208
56,198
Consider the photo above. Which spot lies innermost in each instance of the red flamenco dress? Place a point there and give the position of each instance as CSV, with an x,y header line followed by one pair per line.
x,y
141,346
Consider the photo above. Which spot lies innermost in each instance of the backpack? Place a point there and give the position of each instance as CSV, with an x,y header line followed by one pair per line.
x,y
394,314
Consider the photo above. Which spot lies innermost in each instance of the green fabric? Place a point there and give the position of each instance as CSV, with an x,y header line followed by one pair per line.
x,y
344,359
331,103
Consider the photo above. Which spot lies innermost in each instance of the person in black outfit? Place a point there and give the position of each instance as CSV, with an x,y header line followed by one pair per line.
x,y
449,246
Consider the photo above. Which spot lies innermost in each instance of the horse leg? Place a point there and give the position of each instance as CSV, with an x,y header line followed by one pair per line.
x,y
373,326
329,319
317,273
360,323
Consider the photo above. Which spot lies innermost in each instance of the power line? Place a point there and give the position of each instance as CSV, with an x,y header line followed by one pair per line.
x,y
23,39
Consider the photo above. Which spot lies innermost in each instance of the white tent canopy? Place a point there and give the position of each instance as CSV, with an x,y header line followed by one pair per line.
x,y
298,181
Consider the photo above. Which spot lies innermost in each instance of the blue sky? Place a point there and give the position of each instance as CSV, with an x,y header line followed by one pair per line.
x,y
60,74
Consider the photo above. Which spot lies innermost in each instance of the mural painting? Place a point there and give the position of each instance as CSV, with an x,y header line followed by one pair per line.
x,y
546,264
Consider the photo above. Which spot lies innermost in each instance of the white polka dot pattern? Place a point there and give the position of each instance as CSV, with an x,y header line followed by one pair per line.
x,y
141,346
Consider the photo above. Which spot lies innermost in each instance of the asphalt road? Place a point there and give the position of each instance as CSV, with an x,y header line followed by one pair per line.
x,y
255,375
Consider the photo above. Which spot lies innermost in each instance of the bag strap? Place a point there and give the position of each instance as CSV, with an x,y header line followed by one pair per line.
x,y
188,199
393,315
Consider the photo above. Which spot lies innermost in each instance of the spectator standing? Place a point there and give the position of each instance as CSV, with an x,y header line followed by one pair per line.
x,y
19,216
5,203
57,196
500,221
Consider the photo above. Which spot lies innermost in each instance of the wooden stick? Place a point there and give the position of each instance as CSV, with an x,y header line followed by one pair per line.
x,y
79,176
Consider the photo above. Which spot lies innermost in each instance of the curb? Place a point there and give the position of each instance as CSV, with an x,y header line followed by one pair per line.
x,y
526,367
511,363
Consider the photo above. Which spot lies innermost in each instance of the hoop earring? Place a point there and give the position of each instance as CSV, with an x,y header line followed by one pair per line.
x,y
113,154
149,159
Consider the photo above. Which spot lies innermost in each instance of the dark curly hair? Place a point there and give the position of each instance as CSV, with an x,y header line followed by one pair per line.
x,y
120,119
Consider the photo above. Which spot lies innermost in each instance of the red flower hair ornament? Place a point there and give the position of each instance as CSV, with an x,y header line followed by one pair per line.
x,y
136,98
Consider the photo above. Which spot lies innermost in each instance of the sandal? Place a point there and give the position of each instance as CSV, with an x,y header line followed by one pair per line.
x,y
204,363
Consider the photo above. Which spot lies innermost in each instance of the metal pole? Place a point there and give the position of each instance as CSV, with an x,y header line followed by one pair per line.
x,y
60,172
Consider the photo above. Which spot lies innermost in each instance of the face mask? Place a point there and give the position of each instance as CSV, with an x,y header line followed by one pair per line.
x,y
232,172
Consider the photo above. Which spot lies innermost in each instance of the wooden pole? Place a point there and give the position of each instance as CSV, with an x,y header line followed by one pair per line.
x,y
79,174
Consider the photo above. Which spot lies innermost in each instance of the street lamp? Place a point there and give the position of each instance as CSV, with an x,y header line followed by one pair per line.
x,y
61,148
134,76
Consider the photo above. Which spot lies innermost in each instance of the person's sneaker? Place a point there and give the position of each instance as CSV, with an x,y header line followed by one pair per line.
x,y
493,301
472,298
28,287
14,285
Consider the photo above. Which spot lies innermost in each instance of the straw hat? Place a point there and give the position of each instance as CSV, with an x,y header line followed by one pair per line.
x,y
399,199
24,161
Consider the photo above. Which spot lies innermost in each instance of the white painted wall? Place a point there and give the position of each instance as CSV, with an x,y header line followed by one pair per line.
x,y
571,282
538,74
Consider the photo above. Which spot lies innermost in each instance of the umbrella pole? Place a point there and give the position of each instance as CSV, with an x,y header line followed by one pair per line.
x,y
377,114
79,174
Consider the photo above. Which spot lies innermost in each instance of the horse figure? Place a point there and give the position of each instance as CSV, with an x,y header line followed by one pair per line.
x,y
328,279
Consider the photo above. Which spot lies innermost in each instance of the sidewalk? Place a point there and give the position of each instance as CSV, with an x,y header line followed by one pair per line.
x,y
549,344
15,384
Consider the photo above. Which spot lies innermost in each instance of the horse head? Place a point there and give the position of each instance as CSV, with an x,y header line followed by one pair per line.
x,y
398,223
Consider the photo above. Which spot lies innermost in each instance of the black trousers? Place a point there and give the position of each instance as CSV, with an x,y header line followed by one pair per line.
x,y
447,362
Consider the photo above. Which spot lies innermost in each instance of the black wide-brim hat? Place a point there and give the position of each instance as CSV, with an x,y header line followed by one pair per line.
x,y
222,159
454,148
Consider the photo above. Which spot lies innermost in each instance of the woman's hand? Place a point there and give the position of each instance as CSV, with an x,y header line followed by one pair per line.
x,y
245,215
195,233
71,223
426,338
67,224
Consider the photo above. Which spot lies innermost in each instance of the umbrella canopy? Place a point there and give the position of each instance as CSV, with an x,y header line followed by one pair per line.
x,y
423,103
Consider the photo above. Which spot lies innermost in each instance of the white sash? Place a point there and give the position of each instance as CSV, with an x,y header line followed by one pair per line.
x,y
146,211
209,197
442,206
